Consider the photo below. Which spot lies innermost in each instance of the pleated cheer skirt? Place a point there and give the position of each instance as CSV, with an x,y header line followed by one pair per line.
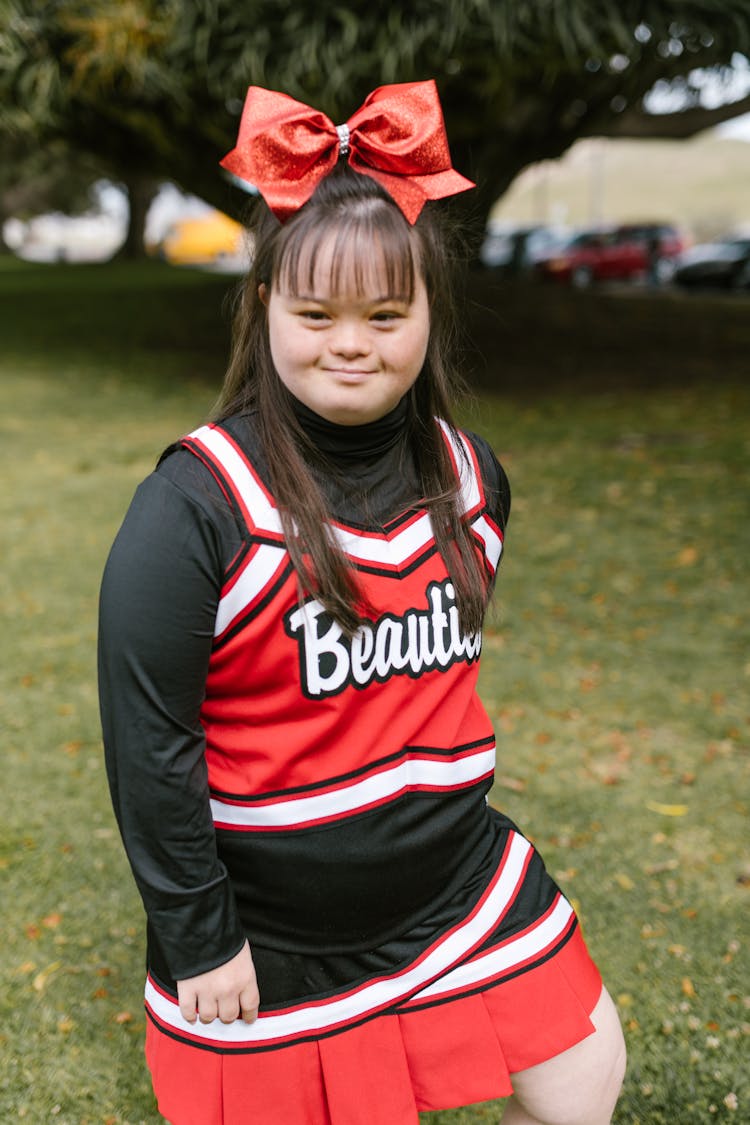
x,y
508,986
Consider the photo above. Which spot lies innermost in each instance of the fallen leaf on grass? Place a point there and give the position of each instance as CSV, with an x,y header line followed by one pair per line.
x,y
688,556
513,783
733,947
667,810
688,988
660,868
568,873
624,881
41,978
123,1017
52,921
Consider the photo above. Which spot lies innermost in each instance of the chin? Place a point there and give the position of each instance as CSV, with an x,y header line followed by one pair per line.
x,y
348,414
351,418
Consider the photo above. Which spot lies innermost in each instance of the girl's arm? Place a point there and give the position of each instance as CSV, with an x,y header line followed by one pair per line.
x,y
496,484
158,603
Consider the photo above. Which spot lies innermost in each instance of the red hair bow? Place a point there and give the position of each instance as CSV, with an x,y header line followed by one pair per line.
x,y
397,137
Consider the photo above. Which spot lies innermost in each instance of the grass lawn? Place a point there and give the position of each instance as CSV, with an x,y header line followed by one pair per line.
x,y
616,670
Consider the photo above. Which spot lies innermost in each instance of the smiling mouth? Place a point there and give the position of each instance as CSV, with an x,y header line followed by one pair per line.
x,y
349,375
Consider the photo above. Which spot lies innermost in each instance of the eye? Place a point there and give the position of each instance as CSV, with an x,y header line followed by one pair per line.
x,y
314,315
386,316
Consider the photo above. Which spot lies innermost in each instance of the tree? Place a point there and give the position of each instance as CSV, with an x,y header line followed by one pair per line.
x,y
154,87
35,180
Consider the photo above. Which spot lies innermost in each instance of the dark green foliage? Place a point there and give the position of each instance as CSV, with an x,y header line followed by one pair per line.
x,y
154,87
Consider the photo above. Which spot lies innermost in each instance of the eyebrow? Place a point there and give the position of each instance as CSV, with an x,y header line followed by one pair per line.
x,y
382,300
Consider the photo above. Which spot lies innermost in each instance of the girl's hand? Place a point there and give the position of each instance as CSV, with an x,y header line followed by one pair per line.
x,y
229,992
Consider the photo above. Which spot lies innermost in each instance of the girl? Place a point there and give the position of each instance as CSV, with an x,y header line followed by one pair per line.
x,y
340,929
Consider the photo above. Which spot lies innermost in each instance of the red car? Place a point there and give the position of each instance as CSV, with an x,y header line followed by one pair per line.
x,y
618,253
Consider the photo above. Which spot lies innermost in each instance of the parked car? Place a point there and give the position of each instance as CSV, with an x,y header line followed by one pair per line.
x,y
617,253
210,239
723,264
513,250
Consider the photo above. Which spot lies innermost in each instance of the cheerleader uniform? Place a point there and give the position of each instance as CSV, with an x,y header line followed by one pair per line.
x,y
323,797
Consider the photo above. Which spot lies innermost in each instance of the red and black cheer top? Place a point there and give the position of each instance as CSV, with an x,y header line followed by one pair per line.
x,y
325,797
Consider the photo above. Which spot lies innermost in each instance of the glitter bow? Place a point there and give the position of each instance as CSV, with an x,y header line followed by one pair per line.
x,y
397,137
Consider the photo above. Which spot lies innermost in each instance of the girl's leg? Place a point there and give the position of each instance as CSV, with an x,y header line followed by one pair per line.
x,y
579,1086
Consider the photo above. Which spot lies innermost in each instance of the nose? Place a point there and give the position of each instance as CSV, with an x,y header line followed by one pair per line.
x,y
349,339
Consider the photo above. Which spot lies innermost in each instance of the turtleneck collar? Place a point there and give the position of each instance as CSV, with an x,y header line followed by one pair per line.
x,y
353,443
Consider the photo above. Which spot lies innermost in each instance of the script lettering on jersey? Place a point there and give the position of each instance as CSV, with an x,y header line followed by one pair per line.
x,y
417,642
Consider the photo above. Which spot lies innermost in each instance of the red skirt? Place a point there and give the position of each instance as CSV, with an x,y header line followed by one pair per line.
x,y
447,1029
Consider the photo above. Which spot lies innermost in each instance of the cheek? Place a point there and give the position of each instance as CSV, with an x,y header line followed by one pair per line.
x,y
418,352
283,343
420,337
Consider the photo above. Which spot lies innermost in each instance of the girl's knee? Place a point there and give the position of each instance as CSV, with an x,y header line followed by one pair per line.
x,y
580,1086
608,1027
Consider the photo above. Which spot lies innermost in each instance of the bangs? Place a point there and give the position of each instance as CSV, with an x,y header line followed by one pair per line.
x,y
359,250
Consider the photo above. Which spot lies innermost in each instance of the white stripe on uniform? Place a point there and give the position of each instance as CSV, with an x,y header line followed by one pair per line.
x,y
325,1015
412,773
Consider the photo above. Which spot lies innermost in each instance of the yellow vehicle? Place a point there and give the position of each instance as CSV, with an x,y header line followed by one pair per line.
x,y
210,239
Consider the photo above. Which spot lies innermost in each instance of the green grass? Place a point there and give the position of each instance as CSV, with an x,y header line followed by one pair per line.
x,y
616,672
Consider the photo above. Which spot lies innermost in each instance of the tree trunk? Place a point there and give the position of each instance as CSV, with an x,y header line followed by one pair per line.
x,y
141,191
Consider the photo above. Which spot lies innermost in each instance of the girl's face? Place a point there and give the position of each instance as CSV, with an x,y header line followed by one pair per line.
x,y
350,353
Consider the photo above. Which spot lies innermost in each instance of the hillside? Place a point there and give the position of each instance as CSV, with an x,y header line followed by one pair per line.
x,y
702,184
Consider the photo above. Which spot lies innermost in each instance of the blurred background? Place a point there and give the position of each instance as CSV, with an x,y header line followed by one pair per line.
x,y
607,308
572,122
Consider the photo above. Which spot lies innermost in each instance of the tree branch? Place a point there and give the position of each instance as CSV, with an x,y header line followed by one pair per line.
x,y
684,123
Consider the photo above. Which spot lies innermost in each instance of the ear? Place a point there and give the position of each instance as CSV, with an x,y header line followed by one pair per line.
x,y
263,293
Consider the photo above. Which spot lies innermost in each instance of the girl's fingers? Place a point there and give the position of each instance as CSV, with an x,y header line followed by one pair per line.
x,y
229,1009
249,1001
228,992
208,1010
188,1005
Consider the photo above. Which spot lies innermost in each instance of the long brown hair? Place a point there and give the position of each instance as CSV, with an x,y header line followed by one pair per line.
x,y
353,210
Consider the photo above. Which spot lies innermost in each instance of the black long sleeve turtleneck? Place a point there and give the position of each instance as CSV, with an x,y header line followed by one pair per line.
x,y
158,604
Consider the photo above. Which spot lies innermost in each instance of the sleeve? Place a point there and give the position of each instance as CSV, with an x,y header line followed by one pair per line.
x,y
494,479
157,607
